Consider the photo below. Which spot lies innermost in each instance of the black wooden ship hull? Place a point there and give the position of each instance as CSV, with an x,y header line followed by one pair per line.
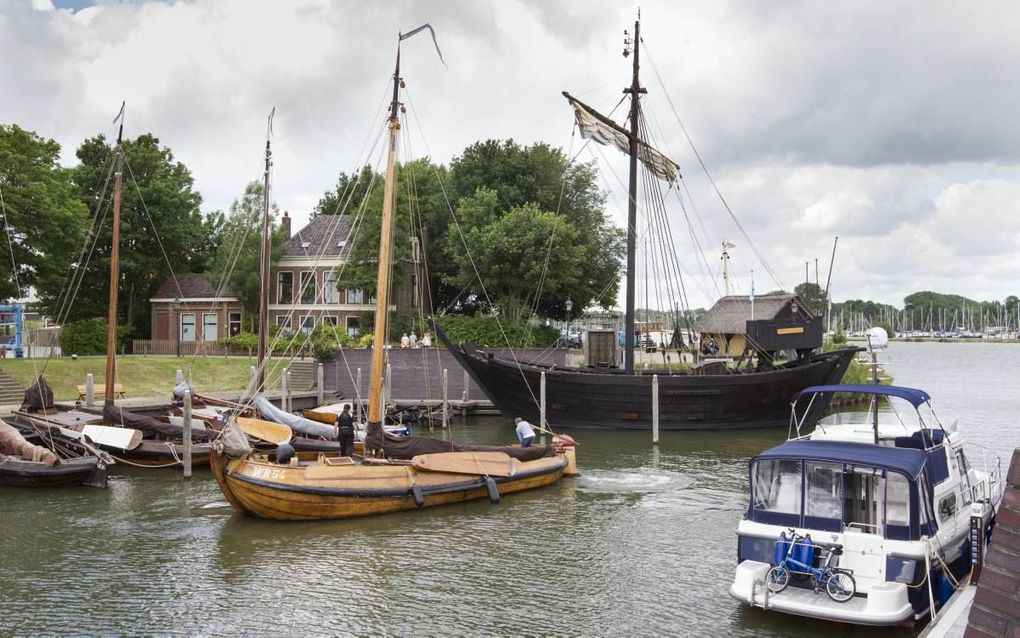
x,y
611,399
77,471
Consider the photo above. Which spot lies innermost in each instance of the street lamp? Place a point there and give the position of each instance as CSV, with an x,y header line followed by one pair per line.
x,y
177,315
569,305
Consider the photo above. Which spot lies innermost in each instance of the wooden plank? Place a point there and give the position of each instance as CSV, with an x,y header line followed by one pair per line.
x,y
478,463
268,431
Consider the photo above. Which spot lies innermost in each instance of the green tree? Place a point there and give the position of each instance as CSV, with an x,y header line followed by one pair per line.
x,y
239,252
513,251
813,296
44,221
541,176
162,228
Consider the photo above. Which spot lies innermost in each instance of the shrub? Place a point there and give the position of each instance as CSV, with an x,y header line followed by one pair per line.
x,y
242,342
88,337
839,338
484,330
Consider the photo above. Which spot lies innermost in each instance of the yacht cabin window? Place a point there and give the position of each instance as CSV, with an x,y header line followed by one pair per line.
x,y
777,486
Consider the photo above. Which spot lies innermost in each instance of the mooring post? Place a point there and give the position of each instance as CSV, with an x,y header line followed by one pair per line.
x,y
357,395
388,382
284,390
319,376
187,433
251,379
446,399
541,408
90,389
179,377
465,397
655,409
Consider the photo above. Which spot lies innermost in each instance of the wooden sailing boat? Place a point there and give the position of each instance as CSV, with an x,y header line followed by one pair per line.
x,y
397,473
603,397
160,442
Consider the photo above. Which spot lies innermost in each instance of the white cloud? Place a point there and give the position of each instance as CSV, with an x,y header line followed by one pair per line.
x,y
891,127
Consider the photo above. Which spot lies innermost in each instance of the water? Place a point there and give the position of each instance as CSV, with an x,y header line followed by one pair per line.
x,y
642,544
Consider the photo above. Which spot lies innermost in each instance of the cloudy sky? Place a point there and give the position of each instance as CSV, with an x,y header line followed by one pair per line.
x,y
894,125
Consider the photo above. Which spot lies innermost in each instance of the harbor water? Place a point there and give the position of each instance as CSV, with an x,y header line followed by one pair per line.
x,y
642,544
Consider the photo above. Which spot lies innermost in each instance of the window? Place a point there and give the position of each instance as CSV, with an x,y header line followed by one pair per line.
x,y
187,326
897,500
329,290
306,323
967,491
308,291
355,296
285,287
234,321
824,489
352,326
209,324
777,486
283,322
329,320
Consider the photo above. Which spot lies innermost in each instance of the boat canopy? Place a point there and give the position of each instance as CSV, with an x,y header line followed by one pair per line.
x,y
915,396
908,462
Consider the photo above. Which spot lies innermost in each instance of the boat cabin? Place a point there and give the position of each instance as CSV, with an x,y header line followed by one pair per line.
x,y
835,485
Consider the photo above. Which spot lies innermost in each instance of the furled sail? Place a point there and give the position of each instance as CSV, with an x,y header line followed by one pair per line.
x,y
601,129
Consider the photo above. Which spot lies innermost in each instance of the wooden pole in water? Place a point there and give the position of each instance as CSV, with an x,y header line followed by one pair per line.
x,y
446,399
655,409
187,433
320,375
284,390
541,401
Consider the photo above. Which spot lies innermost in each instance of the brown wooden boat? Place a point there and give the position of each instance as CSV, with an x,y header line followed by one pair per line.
x,y
397,473
28,460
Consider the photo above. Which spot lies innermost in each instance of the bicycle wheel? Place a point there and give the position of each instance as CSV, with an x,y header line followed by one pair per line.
x,y
777,579
840,585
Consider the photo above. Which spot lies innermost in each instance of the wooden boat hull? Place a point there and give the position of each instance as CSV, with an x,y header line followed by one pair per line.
x,y
586,399
325,491
79,471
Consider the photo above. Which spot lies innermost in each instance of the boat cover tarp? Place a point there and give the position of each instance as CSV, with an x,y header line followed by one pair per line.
x,y
297,423
38,396
407,447
915,396
903,460
12,443
149,426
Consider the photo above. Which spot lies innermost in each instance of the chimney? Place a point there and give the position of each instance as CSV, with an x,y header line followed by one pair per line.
x,y
286,225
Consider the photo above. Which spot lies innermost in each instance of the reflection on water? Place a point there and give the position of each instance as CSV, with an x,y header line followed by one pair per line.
x,y
642,544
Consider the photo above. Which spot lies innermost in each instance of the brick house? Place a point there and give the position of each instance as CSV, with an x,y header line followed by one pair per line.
x,y
191,310
305,290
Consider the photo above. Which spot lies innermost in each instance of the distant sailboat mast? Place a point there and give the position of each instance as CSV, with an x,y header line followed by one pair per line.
x,y
111,321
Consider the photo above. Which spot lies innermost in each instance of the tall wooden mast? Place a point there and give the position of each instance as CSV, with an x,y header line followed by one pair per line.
x,y
111,313
635,91
264,263
375,407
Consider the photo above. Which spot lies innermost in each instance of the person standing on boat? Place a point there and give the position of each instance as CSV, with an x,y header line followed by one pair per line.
x,y
524,432
345,430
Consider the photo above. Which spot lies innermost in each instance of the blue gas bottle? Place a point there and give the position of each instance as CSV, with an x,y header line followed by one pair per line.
x,y
804,551
782,547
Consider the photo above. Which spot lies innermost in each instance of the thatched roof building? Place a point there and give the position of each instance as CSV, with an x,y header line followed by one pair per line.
x,y
726,321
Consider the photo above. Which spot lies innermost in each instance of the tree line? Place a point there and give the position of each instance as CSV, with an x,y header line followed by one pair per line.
x,y
506,228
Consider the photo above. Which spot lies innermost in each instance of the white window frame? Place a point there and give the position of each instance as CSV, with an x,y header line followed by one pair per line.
x,y
304,290
231,322
283,322
182,327
330,320
306,323
357,325
279,287
206,325
356,294
330,292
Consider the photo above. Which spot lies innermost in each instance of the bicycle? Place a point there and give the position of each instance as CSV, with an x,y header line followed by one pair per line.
x,y
839,583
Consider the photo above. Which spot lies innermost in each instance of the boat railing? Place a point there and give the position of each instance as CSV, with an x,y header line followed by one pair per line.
x,y
867,528
988,489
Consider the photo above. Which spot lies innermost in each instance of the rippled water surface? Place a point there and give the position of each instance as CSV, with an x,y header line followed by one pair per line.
x,y
642,544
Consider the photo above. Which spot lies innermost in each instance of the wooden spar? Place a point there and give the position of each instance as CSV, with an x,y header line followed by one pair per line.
x,y
264,266
111,314
635,91
375,410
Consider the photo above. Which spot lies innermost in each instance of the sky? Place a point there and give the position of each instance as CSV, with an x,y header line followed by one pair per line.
x,y
892,125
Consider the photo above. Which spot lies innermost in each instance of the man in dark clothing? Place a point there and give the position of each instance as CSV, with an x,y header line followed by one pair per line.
x,y
345,430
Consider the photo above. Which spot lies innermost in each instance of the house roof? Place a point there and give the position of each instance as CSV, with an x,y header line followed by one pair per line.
x,y
191,286
730,314
324,236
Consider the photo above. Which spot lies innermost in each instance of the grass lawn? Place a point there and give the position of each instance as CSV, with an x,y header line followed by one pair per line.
x,y
140,376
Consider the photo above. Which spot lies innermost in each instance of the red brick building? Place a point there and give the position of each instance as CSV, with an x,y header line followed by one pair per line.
x,y
189,309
